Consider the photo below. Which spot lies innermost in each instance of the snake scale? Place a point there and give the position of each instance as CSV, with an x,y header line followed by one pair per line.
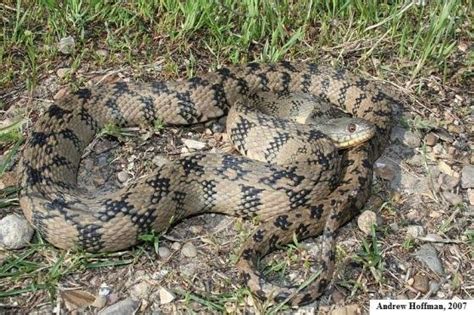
x,y
309,197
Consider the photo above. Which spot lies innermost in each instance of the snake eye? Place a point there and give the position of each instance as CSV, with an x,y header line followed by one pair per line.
x,y
351,127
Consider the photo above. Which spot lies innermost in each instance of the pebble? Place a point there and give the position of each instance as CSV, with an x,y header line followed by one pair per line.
x,y
447,182
196,229
61,93
445,168
421,283
385,169
411,184
122,176
175,246
160,160
104,289
434,287
302,310
467,176
435,239
164,252
124,307
102,52
140,290
15,232
188,270
439,150
408,138
189,250
452,198
428,255
351,309
470,196
415,231
431,139
194,144
66,45
62,72
394,226
365,221
166,296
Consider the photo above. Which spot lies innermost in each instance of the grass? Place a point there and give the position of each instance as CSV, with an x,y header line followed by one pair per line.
x,y
423,37
398,39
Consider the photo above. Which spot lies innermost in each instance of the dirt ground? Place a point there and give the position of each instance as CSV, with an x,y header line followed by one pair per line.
x,y
422,204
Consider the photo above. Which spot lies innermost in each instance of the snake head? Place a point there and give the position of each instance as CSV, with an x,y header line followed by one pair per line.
x,y
347,132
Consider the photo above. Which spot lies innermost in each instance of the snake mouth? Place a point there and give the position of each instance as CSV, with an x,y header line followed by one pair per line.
x,y
350,141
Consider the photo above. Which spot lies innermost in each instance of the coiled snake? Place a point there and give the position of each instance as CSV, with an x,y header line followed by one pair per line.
x,y
301,198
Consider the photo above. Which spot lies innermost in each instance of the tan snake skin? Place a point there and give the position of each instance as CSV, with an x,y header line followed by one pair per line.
x,y
302,198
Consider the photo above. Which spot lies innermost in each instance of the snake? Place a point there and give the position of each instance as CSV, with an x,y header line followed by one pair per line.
x,y
313,190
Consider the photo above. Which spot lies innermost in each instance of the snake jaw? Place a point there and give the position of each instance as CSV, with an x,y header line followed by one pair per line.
x,y
347,132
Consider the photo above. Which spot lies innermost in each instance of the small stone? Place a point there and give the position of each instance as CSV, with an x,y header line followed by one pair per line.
x,y
124,307
385,170
337,297
140,290
470,196
408,138
435,239
99,302
66,45
122,176
452,198
15,232
434,287
175,246
394,226
467,176
428,255
164,252
104,289
62,72
102,52
166,296
352,309
160,274
189,250
447,182
421,283
416,160
60,94
193,144
446,169
302,310
431,139
196,229
415,231
365,221
411,184
160,160
455,129
188,270
438,150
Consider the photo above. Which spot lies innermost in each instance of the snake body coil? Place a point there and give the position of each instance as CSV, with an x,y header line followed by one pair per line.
x,y
303,198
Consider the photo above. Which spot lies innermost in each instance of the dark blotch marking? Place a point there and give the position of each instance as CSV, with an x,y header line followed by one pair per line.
x,y
54,111
258,235
317,212
84,94
38,138
282,222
